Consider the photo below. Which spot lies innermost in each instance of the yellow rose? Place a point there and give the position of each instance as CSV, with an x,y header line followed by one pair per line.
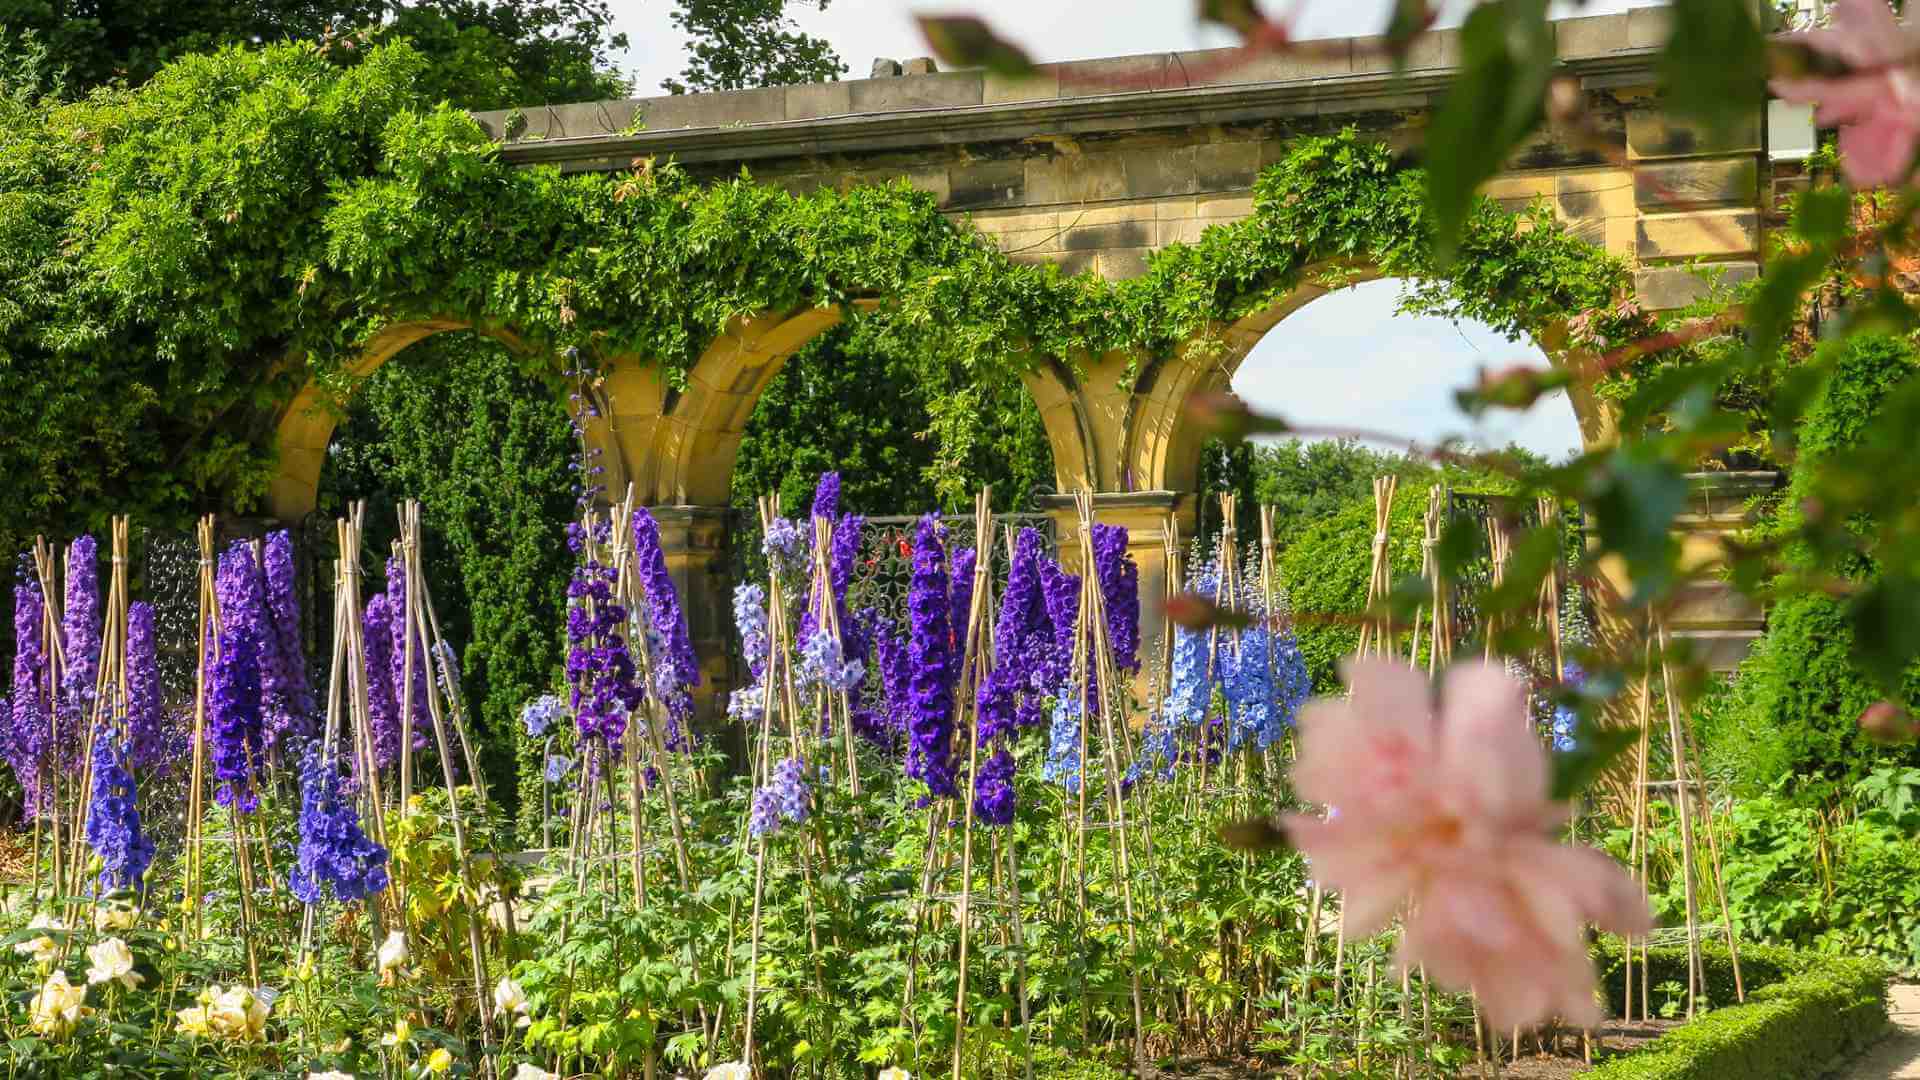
x,y
42,948
509,999
732,1070
393,953
194,1021
238,1015
533,1072
58,1007
439,1061
114,917
111,961
894,1072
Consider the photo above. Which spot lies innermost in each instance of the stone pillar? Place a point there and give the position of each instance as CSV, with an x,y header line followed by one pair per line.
x,y
1722,624
1145,515
694,540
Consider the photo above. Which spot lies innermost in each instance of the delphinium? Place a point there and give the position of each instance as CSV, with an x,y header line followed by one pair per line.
x,y
235,727
79,646
334,852
675,670
1564,720
1062,765
746,703
283,674
1119,580
847,537
383,712
401,627
540,714
931,663
146,739
785,544
1060,593
888,700
961,591
604,684
1010,696
823,664
993,798
113,817
27,713
782,800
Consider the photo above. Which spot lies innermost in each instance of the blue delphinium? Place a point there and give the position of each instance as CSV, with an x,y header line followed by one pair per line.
x,y
750,618
783,800
785,543
1063,744
113,817
932,663
1565,720
558,766
540,714
993,798
822,664
146,741
334,852
676,669
236,725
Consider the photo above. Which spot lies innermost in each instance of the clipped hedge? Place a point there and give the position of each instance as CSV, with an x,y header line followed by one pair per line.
x,y
1804,1011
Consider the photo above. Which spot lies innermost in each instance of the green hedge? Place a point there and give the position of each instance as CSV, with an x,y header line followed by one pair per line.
x,y
1803,1012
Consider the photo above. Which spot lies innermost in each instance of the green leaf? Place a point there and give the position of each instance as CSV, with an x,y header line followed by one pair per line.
x,y
1507,57
1594,748
1714,66
1886,635
1634,497
966,41
1242,16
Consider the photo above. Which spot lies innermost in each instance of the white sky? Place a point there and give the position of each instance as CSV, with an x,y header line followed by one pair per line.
x,y
1345,359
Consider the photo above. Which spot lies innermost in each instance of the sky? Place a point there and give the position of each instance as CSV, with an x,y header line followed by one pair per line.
x,y
1346,359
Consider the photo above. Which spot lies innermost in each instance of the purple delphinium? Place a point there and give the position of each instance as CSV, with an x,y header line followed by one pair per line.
x,y
236,732
675,670
113,817
784,543
783,799
27,716
1022,646
539,715
334,851
826,496
603,682
847,535
79,645
1119,580
289,700
931,663
1060,592
383,712
146,742
401,627
823,664
881,714
961,591
993,798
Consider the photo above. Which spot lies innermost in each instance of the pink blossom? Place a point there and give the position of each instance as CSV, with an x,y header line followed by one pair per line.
x,y
1876,105
1446,821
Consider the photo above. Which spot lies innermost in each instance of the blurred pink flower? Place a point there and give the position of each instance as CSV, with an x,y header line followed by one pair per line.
x,y
1876,105
1446,821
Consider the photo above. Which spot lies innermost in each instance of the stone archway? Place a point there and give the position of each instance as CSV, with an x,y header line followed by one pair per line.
x,y
304,428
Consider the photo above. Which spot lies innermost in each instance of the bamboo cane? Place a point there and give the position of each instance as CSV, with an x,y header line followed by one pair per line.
x,y
968,728
1695,974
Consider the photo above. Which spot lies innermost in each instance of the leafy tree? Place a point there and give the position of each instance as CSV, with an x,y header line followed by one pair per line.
x,y
1307,481
845,402
738,44
482,54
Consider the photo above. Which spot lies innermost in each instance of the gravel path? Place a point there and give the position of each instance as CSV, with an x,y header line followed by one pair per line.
x,y
1896,1057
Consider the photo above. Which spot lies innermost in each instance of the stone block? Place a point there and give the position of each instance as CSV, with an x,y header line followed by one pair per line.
x,y
1175,209
1180,232
884,68
1110,213
1663,288
1593,230
1155,172
1224,207
1433,49
1233,66
1653,134
1603,194
1648,27
1595,35
1226,166
979,184
1043,85
1119,75
1069,262
810,100
1119,234
944,91
1703,232
1696,182
934,182
1075,178
1623,235
727,108
919,65
1119,264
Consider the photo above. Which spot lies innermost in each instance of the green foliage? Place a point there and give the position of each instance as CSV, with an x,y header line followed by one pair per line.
x,y
483,54
185,255
844,402
1797,1027
1308,482
739,44
488,451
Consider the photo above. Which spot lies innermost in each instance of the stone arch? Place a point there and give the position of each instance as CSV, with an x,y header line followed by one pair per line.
x,y
1161,447
305,427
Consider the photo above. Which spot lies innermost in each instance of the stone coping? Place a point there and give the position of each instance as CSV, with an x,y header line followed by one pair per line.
x,y
1179,89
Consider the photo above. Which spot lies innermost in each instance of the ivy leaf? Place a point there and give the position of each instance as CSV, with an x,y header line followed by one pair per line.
x,y
1634,497
1714,67
1506,59
1594,748
966,41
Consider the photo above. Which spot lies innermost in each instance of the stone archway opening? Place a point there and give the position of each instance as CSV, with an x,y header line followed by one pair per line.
x,y
1349,360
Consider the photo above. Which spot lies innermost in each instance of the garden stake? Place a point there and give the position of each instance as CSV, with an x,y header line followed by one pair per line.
x,y
967,727
1695,971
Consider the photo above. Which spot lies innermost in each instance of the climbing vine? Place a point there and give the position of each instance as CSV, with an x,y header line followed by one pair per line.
x,y
176,260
